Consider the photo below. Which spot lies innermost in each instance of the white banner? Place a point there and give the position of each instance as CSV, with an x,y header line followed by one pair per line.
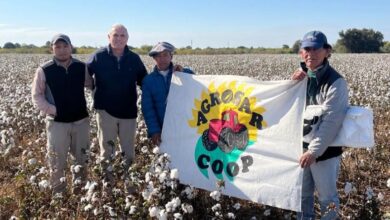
x,y
357,130
235,129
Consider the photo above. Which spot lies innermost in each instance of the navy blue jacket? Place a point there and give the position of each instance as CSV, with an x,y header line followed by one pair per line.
x,y
155,91
116,81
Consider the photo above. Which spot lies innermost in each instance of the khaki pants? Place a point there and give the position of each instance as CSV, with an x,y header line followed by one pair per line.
x,y
62,138
109,129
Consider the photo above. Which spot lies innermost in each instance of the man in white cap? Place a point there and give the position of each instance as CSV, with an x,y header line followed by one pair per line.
x,y
58,91
155,88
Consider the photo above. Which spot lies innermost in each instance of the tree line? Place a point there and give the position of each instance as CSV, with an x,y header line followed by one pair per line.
x,y
350,41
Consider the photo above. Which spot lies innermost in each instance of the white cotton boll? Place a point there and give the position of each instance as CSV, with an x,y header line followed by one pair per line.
x,y
231,216
178,216
128,203
13,218
158,169
147,176
105,183
380,196
87,185
189,191
156,150
267,212
44,184
162,177
174,174
162,215
84,199
237,206
132,210
77,168
146,194
216,207
42,170
144,149
77,182
348,188
169,206
62,179
32,161
88,208
153,211
112,212
388,183
173,204
216,195
176,202
92,186
187,208
33,178
173,184
97,211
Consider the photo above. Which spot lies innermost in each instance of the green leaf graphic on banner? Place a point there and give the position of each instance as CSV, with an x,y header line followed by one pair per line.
x,y
219,161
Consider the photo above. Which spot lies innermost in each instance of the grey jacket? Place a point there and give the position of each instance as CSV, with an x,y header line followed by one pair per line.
x,y
332,93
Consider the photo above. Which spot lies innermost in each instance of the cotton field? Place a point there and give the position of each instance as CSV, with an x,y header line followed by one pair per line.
x,y
364,180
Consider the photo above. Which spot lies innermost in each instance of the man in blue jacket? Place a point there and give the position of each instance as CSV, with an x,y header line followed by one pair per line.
x,y
117,71
155,88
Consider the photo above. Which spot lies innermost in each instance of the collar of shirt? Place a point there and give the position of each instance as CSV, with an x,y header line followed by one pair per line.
x,y
58,63
164,73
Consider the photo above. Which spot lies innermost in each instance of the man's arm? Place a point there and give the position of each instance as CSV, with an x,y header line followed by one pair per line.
x,y
142,73
149,112
38,93
89,83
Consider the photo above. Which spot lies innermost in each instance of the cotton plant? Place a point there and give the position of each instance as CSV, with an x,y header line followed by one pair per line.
x,y
189,192
23,137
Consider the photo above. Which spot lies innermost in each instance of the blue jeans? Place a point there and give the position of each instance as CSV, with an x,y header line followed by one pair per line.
x,y
321,176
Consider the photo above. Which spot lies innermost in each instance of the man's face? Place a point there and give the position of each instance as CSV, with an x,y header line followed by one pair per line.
x,y
118,38
163,60
62,51
314,57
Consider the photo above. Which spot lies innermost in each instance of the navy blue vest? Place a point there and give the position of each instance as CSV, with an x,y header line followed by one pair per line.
x,y
67,89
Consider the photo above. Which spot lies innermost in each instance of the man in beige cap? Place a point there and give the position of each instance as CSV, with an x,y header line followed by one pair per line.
x,y
58,91
155,88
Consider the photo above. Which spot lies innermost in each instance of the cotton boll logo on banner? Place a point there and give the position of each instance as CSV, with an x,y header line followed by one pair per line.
x,y
227,120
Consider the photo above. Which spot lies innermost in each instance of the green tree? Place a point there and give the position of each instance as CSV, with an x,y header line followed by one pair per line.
x,y
146,48
386,47
339,48
361,40
9,45
296,46
285,46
